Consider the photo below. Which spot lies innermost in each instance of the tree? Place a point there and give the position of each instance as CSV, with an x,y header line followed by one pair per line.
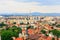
x,y
8,34
2,24
16,29
53,24
27,23
58,25
31,26
14,22
43,31
19,30
53,39
56,33
28,27
11,32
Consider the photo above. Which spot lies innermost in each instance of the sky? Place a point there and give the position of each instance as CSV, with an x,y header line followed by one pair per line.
x,y
27,6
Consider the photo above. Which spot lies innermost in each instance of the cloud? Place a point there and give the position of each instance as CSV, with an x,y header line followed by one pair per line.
x,y
47,9
11,6
44,2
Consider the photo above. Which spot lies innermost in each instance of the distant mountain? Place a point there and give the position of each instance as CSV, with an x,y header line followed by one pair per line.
x,y
45,14
30,14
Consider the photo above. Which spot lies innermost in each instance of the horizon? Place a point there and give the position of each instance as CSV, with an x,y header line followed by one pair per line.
x,y
30,14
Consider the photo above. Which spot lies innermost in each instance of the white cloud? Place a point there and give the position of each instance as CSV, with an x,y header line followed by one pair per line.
x,y
47,9
11,6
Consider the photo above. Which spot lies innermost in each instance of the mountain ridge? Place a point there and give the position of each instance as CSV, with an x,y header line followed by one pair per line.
x,y
31,14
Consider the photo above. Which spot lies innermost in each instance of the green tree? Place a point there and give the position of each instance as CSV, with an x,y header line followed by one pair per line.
x,y
58,25
11,32
2,24
8,34
27,23
28,27
14,22
53,38
16,29
56,33
43,31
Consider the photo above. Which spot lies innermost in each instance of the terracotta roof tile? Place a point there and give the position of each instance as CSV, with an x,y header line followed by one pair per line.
x,y
19,38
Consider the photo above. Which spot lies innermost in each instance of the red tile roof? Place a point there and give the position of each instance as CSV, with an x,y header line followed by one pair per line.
x,y
48,38
19,38
30,31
